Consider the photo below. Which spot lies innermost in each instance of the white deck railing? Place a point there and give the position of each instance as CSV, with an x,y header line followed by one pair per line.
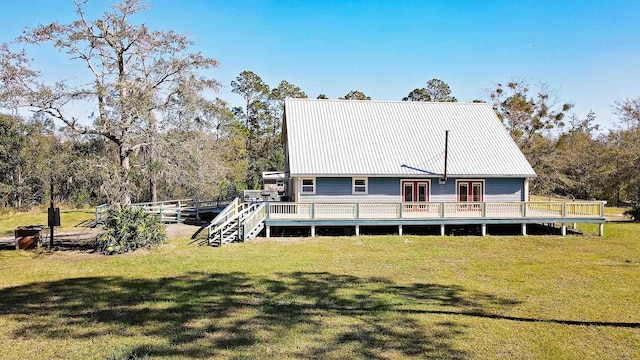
x,y
432,210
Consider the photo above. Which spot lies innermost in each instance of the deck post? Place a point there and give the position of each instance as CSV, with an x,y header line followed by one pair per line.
x,y
601,233
484,210
240,232
400,212
357,211
602,209
524,229
357,230
564,209
268,232
400,230
483,229
313,212
575,226
441,229
442,214
313,230
563,229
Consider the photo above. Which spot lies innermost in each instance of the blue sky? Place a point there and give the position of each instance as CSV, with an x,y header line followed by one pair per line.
x,y
589,51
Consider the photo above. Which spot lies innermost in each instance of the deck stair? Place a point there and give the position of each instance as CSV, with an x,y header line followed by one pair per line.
x,y
238,222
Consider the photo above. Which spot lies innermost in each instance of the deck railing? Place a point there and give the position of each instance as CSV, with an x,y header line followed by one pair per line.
x,y
431,210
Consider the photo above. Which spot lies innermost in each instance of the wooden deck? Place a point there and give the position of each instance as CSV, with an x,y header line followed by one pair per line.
x,y
174,211
434,213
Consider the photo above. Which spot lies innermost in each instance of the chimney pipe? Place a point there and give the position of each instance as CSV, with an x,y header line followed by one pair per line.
x,y
446,153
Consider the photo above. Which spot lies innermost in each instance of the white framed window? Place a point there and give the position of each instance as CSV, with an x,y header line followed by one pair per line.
x,y
360,185
308,185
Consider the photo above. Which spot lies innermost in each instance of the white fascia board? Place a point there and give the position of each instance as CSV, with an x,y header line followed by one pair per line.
x,y
424,176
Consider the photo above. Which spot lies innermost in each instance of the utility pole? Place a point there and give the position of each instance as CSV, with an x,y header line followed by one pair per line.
x,y
52,212
54,215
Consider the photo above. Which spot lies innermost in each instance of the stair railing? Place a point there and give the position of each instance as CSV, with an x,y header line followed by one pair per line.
x,y
254,220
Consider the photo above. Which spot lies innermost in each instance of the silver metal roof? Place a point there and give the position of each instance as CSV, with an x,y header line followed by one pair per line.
x,y
387,138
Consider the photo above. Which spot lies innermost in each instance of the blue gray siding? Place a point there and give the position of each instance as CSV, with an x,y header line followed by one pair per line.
x,y
443,192
504,190
338,190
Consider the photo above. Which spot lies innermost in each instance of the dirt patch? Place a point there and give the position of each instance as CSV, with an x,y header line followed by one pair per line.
x,y
181,230
81,239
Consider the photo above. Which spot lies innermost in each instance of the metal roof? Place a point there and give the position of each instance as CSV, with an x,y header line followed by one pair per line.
x,y
387,138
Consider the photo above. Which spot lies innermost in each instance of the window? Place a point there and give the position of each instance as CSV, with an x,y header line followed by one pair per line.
x,y
308,185
359,186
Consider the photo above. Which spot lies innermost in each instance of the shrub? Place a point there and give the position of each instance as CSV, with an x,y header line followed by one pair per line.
x,y
634,212
128,229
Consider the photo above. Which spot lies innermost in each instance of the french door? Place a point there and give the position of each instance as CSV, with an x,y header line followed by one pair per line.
x,y
471,191
415,191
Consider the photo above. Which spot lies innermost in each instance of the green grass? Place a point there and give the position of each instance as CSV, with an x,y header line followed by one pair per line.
x,y
69,219
381,297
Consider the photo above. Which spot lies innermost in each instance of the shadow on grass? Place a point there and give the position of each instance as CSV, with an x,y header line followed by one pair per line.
x,y
307,315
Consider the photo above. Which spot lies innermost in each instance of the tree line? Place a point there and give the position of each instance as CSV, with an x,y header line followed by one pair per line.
x,y
155,133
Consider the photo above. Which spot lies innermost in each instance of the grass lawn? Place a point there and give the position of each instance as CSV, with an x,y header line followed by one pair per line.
x,y
381,297
69,219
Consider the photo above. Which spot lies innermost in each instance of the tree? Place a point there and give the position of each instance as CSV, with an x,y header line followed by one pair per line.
x,y
355,95
579,159
11,144
436,90
322,96
255,93
525,116
628,111
136,73
273,139
529,119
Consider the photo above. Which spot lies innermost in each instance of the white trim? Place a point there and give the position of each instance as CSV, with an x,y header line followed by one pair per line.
x,y
484,188
353,186
420,176
415,180
314,185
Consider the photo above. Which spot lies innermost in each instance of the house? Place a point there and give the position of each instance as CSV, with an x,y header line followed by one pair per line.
x,y
340,151
352,164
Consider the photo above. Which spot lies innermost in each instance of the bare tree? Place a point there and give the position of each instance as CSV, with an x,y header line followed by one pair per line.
x,y
136,74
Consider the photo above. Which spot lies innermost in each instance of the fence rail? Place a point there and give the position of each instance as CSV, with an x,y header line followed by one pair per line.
x,y
168,210
431,210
